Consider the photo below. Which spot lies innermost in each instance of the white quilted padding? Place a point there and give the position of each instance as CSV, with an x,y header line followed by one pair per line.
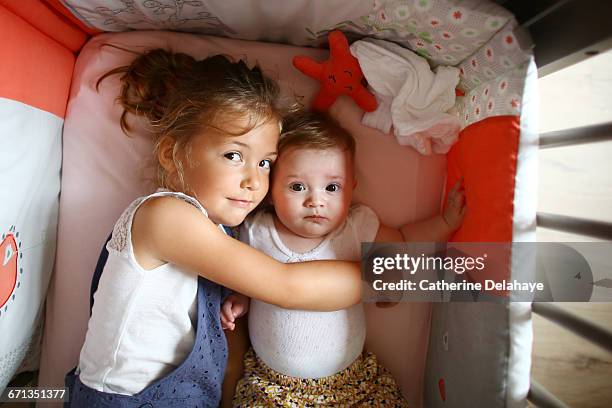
x,y
30,160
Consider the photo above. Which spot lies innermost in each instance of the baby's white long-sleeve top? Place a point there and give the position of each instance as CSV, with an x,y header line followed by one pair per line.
x,y
300,343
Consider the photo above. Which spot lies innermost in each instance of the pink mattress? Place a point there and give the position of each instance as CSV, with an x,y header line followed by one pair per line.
x,y
104,170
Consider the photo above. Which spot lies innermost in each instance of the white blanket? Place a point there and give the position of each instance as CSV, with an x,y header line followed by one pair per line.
x,y
412,98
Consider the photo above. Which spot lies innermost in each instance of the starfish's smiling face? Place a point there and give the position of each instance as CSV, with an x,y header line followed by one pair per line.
x,y
339,75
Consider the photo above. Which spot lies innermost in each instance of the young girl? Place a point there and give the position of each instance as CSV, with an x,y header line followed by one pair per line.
x,y
301,357
155,337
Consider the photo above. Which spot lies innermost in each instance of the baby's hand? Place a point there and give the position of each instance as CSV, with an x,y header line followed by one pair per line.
x,y
455,206
234,306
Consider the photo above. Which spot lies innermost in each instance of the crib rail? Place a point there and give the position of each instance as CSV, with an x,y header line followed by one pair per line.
x,y
571,137
576,324
575,225
564,31
540,396
575,136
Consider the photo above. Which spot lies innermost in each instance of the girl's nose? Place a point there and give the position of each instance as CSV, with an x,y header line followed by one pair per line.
x,y
251,180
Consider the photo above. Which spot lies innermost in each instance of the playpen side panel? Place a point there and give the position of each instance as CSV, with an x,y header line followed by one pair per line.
x,y
524,230
480,354
49,22
485,157
29,198
35,69
60,8
469,343
35,77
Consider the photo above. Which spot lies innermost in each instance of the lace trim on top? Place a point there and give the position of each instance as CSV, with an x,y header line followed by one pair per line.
x,y
122,227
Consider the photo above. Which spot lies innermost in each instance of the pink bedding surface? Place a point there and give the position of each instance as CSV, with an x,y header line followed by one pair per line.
x,y
104,170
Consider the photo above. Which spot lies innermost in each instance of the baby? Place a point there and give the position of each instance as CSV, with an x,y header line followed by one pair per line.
x,y
313,219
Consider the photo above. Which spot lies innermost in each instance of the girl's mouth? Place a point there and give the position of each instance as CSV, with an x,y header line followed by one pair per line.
x,y
240,203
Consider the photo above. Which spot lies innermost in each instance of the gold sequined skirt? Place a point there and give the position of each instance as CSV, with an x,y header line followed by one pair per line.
x,y
365,383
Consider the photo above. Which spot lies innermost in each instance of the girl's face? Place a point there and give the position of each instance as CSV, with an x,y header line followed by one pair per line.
x,y
312,190
228,174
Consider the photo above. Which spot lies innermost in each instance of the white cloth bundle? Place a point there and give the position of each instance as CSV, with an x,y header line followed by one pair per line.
x,y
412,98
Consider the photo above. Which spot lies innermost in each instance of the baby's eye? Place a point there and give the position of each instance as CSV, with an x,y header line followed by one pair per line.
x,y
332,188
266,164
297,187
233,156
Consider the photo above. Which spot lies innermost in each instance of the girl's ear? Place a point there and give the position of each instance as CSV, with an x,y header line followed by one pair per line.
x,y
165,154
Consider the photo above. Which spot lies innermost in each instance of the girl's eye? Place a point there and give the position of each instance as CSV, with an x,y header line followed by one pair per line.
x,y
233,156
266,164
297,187
332,188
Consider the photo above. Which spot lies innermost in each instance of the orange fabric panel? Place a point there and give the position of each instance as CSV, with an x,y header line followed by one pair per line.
x,y
35,70
49,22
60,8
485,156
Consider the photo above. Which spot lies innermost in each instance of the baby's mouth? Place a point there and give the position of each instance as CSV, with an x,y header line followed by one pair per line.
x,y
316,218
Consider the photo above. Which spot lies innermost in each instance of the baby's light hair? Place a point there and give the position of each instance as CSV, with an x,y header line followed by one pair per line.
x,y
182,97
312,130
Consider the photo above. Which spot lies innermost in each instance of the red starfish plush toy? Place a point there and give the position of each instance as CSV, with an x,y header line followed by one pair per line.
x,y
340,74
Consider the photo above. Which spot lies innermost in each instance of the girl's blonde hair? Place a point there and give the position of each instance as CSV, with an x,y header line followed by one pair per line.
x,y
181,96
313,130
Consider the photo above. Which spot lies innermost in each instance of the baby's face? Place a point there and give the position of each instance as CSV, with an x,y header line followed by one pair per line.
x,y
312,190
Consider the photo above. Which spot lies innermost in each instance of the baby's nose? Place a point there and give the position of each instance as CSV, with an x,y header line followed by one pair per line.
x,y
315,200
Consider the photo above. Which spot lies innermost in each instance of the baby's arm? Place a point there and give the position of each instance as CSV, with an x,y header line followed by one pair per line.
x,y
234,306
435,229
166,229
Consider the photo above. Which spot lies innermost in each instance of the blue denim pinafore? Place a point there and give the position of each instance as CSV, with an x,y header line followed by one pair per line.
x,y
195,383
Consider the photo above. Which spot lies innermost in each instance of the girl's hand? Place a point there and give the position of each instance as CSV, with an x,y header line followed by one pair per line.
x,y
454,210
234,306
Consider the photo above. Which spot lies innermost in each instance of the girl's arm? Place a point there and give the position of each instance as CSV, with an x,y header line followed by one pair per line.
x,y
166,229
237,345
435,229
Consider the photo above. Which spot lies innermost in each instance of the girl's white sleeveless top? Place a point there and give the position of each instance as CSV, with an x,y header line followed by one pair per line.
x,y
142,321
300,343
